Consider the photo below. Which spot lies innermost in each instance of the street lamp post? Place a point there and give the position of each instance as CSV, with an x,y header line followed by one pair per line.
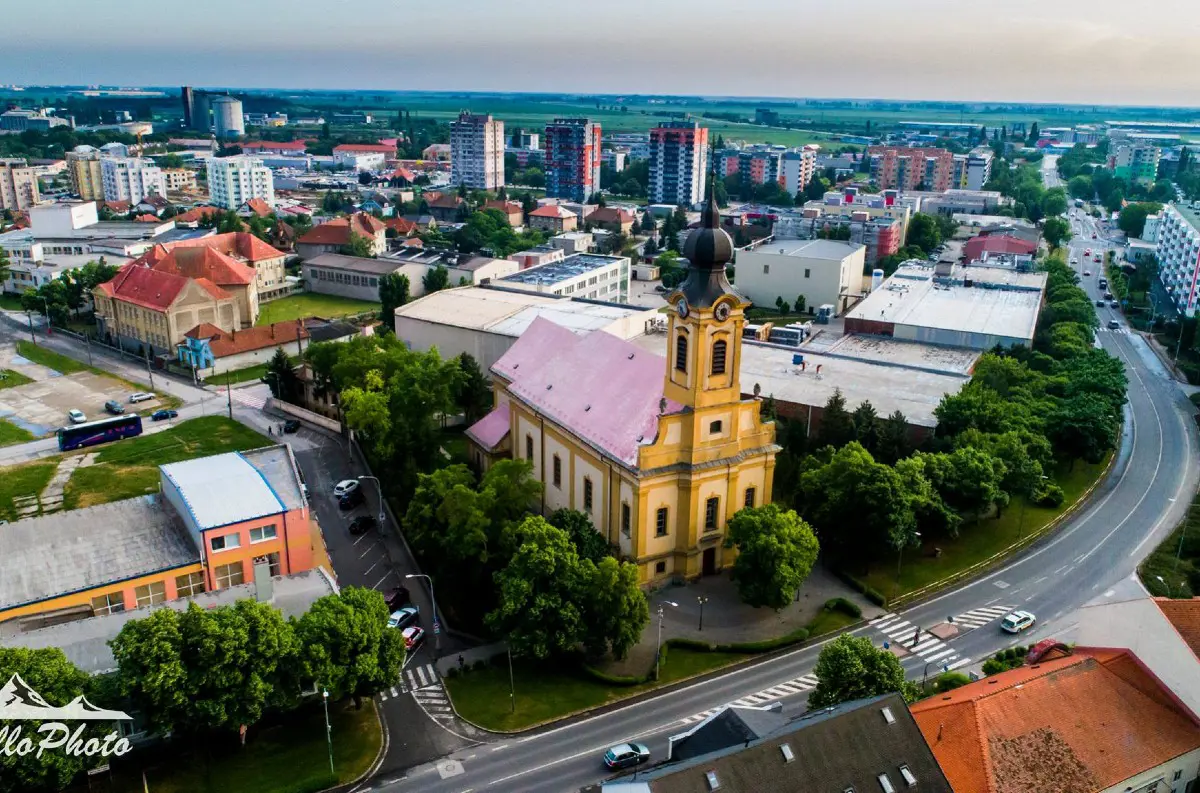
x,y
658,655
328,731
701,600
379,487
437,626
900,561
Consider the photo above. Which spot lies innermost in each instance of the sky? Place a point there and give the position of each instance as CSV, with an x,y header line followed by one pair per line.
x,y
1070,51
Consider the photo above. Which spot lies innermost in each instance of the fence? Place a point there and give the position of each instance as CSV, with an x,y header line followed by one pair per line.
x,y
296,411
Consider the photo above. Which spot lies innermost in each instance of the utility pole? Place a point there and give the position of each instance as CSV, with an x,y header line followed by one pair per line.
x,y
229,399
32,335
328,731
87,343
512,689
148,371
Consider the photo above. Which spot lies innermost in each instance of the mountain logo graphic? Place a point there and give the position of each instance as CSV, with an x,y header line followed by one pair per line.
x,y
19,701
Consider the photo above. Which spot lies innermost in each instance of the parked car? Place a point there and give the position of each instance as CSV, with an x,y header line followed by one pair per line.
x,y
1087,252
397,598
345,486
164,414
141,396
114,407
1114,303
624,755
662,290
1017,621
76,416
402,618
1100,304
362,524
1113,324
1087,272
413,636
1108,295
1096,258
291,425
350,499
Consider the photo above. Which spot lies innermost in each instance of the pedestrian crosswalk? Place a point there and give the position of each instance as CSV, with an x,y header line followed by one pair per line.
x,y
791,688
251,397
434,701
981,616
413,680
917,641
1121,331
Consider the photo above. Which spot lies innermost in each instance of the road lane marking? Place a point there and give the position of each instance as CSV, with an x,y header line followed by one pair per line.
x,y
957,664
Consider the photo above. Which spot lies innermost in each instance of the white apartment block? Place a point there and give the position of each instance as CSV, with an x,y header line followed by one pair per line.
x,y
678,163
477,151
179,179
1179,255
587,275
232,181
979,168
798,168
18,185
131,179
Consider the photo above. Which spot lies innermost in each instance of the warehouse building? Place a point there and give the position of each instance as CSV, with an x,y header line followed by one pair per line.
x,y
822,271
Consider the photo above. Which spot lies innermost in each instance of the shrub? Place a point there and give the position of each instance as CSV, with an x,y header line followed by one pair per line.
x,y
948,681
845,606
1051,496
991,666
691,644
616,680
867,591
452,673
480,665
764,646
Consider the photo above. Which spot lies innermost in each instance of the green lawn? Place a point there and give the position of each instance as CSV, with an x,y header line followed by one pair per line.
x,y
255,372
129,468
10,302
454,443
54,360
830,621
28,479
11,379
979,541
1177,560
545,692
10,433
291,757
311,304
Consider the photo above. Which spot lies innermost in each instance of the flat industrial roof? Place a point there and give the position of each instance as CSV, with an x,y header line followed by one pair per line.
x,y
508,312
811,249
355,264
562,270
1189,214
223,489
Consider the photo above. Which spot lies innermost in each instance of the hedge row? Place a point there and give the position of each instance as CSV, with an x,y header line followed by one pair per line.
x,y
867,591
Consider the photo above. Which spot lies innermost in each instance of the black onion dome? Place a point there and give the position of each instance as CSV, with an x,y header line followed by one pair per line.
x,y
708,250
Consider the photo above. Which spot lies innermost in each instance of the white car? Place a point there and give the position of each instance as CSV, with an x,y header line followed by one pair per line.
x,y
345,486
141,396
1017,621
76,416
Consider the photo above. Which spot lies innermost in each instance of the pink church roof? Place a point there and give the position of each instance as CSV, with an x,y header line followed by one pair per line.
x,y
491,429
603,389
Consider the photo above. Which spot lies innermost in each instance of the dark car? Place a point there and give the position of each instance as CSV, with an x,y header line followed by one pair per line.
x,y
1115,303
1113,324
362,524
164,414
625,755
114,407
350,499
397,598
1108,295
1100,304
291,425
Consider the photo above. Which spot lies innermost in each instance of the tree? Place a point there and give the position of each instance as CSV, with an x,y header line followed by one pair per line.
x,y
5,265
58,681
436,279
1032,138
393,293
850,668
923,232
1115,200
206,669
1054,202
281,377
358,245
1133,218
614,607
229,222
801,302
776,552
1056,230
968,479
837,425
1083,426
866,426
893,443
346,646
589,543
1081,187
474,395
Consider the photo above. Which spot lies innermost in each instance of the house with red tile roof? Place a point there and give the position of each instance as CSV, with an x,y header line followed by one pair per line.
x,y
238,248
613,219
333,235
255,207
193,217
553,218
1090,720
993,244
210,264
145,307
211,350
511,210
445,208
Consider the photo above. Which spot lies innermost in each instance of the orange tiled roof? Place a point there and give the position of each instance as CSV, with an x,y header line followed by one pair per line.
x,y
1076,724
235,244
365,147
552,211
507,207
401,225
337,232
610,215
259,207
445,202
259,337
203,262
197,214
1184,615
152,289
146,219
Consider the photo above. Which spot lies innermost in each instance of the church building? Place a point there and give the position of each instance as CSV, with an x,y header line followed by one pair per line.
x,y
660,451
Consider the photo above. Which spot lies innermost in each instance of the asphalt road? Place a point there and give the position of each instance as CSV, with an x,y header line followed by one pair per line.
x,y
1050,171
1143,497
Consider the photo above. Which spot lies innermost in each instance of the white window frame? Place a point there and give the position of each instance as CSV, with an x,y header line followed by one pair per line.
x,y
226,543
263,537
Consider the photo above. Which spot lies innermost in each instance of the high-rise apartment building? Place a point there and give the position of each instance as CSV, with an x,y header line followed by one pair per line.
x,y
678,162
1137,162
227,117
1179,255
18,185
477,151
797,169
572,158
232,181
906,168
131,179
83,168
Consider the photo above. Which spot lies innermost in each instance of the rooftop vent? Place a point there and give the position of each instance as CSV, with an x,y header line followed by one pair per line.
x,y
711,778
548,387
787,753
886,784
888,716
909,779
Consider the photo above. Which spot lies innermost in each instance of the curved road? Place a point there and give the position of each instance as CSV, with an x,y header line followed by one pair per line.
x,y
1145,495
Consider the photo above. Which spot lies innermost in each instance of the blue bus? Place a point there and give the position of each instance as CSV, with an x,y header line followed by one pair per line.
x,y
102,431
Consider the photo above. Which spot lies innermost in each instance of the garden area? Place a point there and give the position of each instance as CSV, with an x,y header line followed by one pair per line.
x,y
311,304
1173,569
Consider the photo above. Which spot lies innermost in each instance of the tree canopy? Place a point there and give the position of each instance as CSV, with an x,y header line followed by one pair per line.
x,y
850,668
776,552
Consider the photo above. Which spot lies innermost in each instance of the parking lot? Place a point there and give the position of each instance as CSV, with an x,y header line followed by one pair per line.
x,y
41,406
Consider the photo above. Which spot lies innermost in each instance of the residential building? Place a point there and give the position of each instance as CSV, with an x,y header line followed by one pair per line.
x,y
18,186
448,208
363,156
436,151
822,271
333,235
236,261
87,177
19,120
797,169
614,219
227,118
678,162
553,218
512,210
904,168
477,151
523,139
849,200
130,179
952,306
187,98
587,275
880,236
1179,255
1150,230
145,308
572,242
1135,161
661,476
615,158
179,179
972,171
864,745
232,181
534,257
209,351
572,159
754,165
1088,720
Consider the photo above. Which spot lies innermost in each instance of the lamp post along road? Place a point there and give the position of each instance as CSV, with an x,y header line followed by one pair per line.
x,y
658,655
701,600
437,626
328,731
379,487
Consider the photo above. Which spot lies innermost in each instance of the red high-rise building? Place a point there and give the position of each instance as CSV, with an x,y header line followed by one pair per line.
x,y
906,168
572,153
